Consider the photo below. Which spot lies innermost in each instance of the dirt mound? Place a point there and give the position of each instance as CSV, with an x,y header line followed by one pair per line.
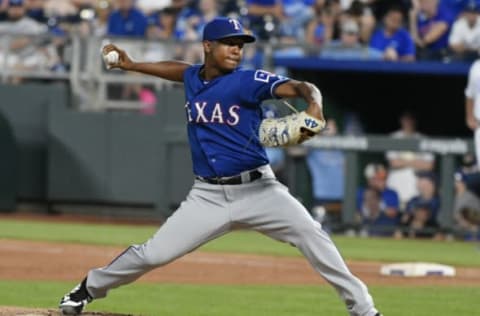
x,y
22,311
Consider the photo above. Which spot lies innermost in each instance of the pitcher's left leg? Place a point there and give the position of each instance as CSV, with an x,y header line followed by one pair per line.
x,y
279,215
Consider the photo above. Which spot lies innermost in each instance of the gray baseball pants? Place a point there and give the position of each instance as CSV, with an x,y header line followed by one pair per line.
x,y
212,210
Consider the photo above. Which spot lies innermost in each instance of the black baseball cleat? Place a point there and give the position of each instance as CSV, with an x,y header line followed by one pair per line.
x,y
74,302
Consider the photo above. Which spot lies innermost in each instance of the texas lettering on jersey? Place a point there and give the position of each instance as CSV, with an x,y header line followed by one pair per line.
x,y
223,117
205,113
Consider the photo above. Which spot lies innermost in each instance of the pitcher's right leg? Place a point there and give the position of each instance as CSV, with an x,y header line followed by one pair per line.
x,y
200,218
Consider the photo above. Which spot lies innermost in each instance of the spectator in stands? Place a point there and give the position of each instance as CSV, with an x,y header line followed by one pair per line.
x,y
321,27
99,25
207,10
68,16
377,204
161,24
464,40
465,201
392,39
327,171
127,20
349,46
26,50
263,17
296,15
430,26
403,165
360,12
161,28
291,30
420,216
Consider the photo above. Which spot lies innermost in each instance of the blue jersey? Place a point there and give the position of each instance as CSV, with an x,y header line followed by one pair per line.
x,y
400,41
223,118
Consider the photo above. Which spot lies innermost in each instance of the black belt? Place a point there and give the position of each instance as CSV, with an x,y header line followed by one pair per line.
x,y
254,175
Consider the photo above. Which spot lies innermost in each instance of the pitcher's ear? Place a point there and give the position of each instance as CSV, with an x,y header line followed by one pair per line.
x,y
207,46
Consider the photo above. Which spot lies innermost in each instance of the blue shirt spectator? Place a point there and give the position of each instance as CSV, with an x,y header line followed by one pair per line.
x,y
427,20
422,210
388,198
375,220
432,205
127,22
296,14
392,39
377,205
400,41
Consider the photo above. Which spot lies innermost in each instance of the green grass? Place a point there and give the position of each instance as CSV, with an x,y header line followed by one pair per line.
x,y
455,253
213,300
98,234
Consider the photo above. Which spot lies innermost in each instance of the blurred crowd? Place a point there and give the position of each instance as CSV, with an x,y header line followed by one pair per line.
x,y
400,194
393,30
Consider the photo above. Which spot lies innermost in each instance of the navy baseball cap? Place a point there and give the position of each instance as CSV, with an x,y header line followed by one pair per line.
x,y
223,27
15,3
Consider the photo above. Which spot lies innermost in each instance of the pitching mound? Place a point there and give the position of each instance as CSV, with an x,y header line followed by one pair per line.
x,y
17,311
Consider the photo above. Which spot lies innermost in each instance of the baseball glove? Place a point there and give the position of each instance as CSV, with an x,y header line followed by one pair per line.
x,y
292,129
471,215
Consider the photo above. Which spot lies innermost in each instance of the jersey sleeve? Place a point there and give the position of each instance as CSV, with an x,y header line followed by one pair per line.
x,y
259,85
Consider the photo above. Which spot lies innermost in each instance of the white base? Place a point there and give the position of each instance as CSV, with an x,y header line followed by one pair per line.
x,y
417,269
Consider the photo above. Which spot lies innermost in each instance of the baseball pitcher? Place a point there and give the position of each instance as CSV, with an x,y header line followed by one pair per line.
x,y
234,184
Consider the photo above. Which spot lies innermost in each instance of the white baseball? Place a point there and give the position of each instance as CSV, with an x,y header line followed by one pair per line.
x,y
111,58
